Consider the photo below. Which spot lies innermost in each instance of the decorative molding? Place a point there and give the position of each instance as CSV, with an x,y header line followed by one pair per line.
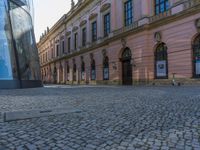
x,y
82,59
91,56
105,7
123,41
158,37
75,28
197,24
68,33
92,16
104,53
83,23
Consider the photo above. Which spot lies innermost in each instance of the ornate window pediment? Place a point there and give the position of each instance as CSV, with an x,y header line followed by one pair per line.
x,y
83,22
68,33
105,7
75,28
92,16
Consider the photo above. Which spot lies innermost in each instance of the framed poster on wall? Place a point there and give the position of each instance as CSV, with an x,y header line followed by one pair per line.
x,y
106,73
197,65
161,68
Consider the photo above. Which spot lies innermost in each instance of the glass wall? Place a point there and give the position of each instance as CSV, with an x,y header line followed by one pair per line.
x,y
25,42
7,61
19,59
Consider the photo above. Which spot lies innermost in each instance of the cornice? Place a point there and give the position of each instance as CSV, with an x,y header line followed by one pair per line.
x,y
67,17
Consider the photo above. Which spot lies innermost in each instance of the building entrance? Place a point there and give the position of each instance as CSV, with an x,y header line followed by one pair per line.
x,y
126,67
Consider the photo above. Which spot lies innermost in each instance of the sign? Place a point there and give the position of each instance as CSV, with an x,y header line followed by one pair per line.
x,y
106,73
93,75
161,68
197,65
82,75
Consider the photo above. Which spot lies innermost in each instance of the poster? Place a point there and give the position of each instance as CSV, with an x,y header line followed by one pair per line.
x,y
197,67
82,75
106,73
161,68
93,75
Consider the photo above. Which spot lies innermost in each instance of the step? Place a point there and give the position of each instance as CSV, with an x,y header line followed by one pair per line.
x,y
29,114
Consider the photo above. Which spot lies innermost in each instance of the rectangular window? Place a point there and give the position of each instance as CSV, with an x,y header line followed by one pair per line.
x,y
94,31
128,13
75,41
52,53
63,46
106,24
57,50
69,44
161,6
84,37
46,56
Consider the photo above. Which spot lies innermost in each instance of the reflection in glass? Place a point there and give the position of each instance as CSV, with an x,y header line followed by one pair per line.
x,y
19,61
6,48
25,43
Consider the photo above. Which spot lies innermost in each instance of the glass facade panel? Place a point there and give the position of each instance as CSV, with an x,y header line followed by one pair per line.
x,y
25,43
8,69
19,61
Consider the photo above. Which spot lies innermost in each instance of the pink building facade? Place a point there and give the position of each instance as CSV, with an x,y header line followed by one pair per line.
x,y
123,42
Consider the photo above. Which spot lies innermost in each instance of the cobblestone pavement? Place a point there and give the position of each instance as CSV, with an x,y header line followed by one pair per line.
x,y
111,118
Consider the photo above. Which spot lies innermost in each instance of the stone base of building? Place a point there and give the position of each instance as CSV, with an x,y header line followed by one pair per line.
x,y
16,84
178,81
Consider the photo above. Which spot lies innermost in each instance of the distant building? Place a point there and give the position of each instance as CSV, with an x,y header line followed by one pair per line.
x,y
123,42
19,61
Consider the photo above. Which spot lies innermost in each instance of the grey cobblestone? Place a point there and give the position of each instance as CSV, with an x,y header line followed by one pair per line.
x,y
112,118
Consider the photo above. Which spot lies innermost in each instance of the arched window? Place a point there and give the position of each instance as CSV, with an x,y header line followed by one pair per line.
x,y
67,71
74,72
161,65
82,71
93,70
126,54
55,75
196,57
106,68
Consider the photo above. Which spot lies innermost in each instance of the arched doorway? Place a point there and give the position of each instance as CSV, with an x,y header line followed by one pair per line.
x,y
74,72
106,68
126,67
83,71
161,63
93,70
196,57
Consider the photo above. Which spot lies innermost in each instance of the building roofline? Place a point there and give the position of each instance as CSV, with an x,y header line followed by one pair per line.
x,y
65,18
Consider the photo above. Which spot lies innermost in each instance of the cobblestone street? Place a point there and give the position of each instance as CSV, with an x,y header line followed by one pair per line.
x,y
110,118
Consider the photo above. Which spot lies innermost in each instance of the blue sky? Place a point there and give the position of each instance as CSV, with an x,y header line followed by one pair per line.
x,y
47,12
